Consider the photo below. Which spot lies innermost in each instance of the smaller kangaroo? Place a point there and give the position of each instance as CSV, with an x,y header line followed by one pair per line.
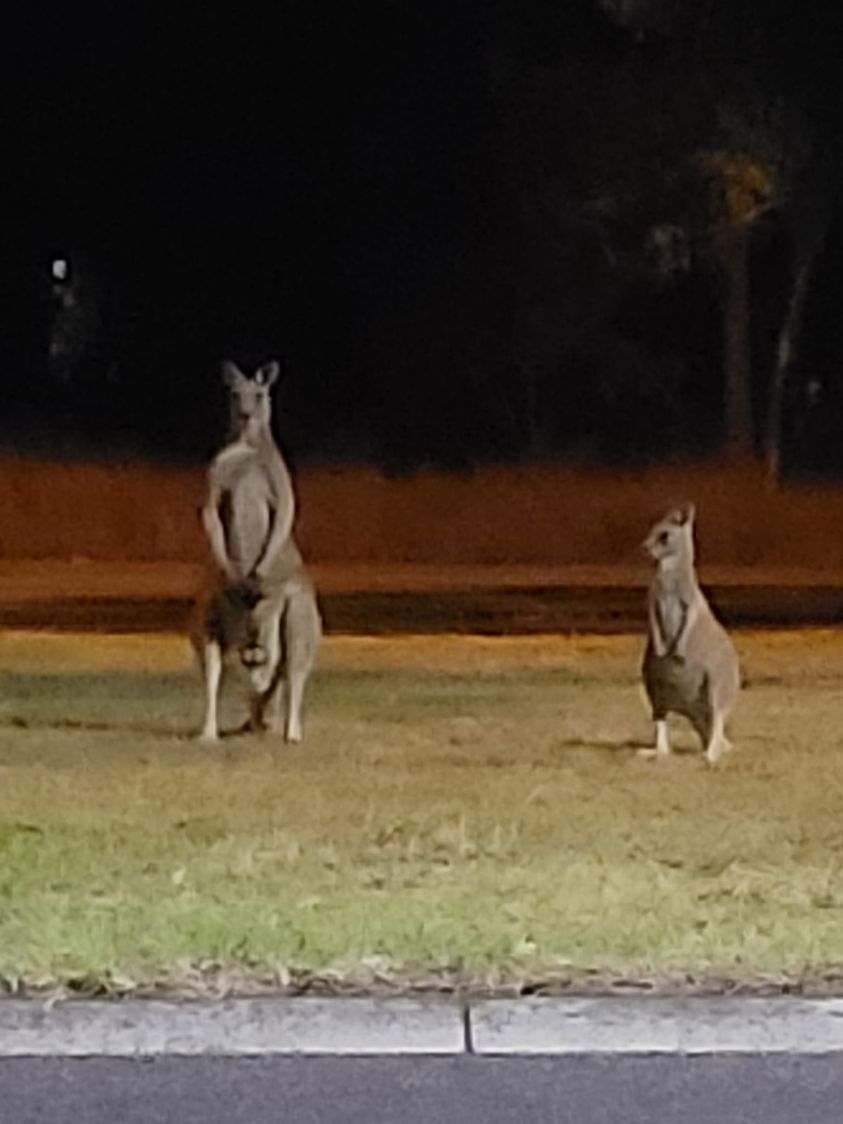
x,y
261,601
690,665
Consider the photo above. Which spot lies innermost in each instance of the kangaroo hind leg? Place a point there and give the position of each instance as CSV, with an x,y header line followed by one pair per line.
x,y
712,725
302,632
211,662
264,645
718,743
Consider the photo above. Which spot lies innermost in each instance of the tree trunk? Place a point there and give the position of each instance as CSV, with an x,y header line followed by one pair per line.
x,y
739,429
785,354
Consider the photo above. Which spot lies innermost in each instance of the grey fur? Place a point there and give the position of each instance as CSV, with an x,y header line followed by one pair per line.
x,y
690,664
261,602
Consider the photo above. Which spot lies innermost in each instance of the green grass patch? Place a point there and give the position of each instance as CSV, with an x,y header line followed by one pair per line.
x,y
484,828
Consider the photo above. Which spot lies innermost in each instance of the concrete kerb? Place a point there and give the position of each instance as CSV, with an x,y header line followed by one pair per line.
x,y
659,1026
361,1027
232,1027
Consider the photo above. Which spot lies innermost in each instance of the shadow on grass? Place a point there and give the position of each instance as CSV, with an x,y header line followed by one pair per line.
x,y
230,737
624,745
610,745
94,726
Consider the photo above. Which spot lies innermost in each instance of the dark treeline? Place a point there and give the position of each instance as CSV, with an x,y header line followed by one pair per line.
x,y
597,231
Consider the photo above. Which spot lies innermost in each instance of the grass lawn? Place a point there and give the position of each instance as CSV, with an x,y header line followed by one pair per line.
x,y
462,812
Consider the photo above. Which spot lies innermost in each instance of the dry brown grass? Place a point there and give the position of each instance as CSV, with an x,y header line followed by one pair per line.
x,y
463,809
509,517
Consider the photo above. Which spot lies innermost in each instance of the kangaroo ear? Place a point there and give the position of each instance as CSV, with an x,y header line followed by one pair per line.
x,y
230,373
685,514
267,373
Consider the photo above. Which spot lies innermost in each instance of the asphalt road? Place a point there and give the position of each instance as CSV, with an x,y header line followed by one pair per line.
x,y
514,610
586,1090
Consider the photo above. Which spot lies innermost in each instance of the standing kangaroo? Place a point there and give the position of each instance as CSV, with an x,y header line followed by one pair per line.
x,y
262,602
690,665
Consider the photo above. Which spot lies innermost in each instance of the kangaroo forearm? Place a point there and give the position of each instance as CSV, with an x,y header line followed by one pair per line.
x,y
283,513
667,633
282,527
680,645
215,533
657,633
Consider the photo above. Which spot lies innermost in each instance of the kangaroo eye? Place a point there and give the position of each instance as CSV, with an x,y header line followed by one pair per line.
x,y
663,537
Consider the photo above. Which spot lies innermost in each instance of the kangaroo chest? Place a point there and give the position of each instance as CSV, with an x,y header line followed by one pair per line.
x,y
667,611
671,596
247,505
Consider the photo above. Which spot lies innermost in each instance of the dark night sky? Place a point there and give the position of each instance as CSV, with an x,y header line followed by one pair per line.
x,y
332,183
